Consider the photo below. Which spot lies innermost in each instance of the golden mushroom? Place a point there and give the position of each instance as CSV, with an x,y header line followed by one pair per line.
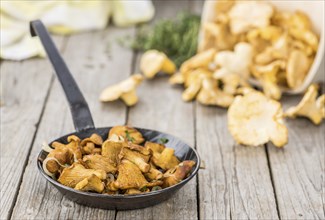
x,y
310,106
154,61
91,183
124,90
253,119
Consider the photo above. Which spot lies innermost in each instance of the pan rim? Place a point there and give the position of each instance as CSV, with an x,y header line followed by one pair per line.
x,y
122,196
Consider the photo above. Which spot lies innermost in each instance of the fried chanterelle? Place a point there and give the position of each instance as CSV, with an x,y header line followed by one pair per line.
x,y
120,165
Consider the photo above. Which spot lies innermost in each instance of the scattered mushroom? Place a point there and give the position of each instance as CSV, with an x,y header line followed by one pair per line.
x,y
153,61
125,90
310,106
253,119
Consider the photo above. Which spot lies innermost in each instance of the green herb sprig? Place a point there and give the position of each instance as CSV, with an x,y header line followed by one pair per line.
x,y
178,38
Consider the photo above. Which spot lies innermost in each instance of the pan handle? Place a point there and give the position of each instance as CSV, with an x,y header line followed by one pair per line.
x,y
79,108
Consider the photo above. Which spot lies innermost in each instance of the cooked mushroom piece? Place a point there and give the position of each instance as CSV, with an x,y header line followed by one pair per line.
x,y
156,150
128,133
153,173
88,144
309,107
154,61
72,175
133,192
253,119
91,183
100,162
167,159
112,147
129,177
124,90
177,173
137,155
73,146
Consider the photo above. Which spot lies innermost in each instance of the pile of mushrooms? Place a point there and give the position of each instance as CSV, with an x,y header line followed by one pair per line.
x,y
119,165
271,46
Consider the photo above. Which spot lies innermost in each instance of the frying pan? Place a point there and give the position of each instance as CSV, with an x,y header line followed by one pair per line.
x,y
84,126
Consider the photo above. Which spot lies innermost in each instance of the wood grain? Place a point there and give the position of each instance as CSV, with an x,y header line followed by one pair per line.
x,y
298,170
236,182
24,88
94,67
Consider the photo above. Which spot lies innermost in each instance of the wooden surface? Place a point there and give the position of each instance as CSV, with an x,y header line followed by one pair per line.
x,y
238,182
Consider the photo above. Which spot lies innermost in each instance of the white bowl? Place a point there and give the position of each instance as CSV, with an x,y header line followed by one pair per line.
x,y
315,10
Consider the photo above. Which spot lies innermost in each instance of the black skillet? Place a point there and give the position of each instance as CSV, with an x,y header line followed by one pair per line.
x,y
84,125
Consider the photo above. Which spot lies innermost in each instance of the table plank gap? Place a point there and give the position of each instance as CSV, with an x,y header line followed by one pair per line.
x,y
298,168
94,67
23,98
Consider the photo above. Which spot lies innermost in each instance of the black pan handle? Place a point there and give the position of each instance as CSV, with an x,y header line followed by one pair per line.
x,y
79,108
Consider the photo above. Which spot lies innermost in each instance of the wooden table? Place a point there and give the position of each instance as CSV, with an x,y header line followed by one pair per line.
x,y
238,182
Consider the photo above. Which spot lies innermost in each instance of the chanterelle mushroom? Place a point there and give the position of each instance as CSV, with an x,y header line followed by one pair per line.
x,y
138,155
99,162
237,61
72,175
253,119
210,94
153,61
129,177
112,147
91,183
128,133
297,68
125,90
309,106
88,144
245,15
202,59
177,173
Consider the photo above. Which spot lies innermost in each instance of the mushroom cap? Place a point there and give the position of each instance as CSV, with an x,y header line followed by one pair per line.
x,y
91,183
297,68
127,132
153,61
202,59
237,61
114,92
253,119
210,94
243,18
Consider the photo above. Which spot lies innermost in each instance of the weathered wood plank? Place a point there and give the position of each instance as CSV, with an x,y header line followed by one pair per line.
x,y
236,182
93,68
298,170
24,87
160,108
